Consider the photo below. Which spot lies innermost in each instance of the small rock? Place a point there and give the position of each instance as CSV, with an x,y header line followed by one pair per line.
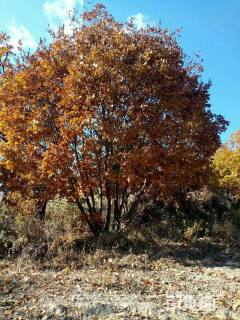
x,y
61,310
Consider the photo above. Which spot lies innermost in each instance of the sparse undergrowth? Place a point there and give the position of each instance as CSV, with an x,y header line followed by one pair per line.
x,y
63,237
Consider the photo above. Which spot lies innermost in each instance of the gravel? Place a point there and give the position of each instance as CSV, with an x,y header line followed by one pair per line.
x,y
126,287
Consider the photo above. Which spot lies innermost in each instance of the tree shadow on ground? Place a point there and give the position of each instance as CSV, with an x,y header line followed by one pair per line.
x,y
200,252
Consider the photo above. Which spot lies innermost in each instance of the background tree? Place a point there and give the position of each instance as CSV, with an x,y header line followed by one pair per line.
x,y
104,115
226,163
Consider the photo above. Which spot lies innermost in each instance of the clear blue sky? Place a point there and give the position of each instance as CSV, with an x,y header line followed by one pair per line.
x,y
211,27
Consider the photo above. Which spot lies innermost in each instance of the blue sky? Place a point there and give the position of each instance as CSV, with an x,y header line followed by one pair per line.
x,y
211,27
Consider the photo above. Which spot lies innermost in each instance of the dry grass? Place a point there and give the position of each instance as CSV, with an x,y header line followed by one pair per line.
x,y
110,285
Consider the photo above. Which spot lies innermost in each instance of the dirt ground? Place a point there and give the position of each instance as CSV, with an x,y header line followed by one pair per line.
x,y
171,284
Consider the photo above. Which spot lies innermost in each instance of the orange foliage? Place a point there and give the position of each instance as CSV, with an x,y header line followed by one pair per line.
x,y
105,114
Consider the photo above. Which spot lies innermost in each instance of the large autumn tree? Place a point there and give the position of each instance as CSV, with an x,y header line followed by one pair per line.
x,y
104,115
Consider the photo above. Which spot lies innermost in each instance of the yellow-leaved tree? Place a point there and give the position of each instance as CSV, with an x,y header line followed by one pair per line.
x,y
226,164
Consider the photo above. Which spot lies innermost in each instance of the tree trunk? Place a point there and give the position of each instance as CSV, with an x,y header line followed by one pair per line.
x,y
96,228
109,206
41,210
117,219
117,212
